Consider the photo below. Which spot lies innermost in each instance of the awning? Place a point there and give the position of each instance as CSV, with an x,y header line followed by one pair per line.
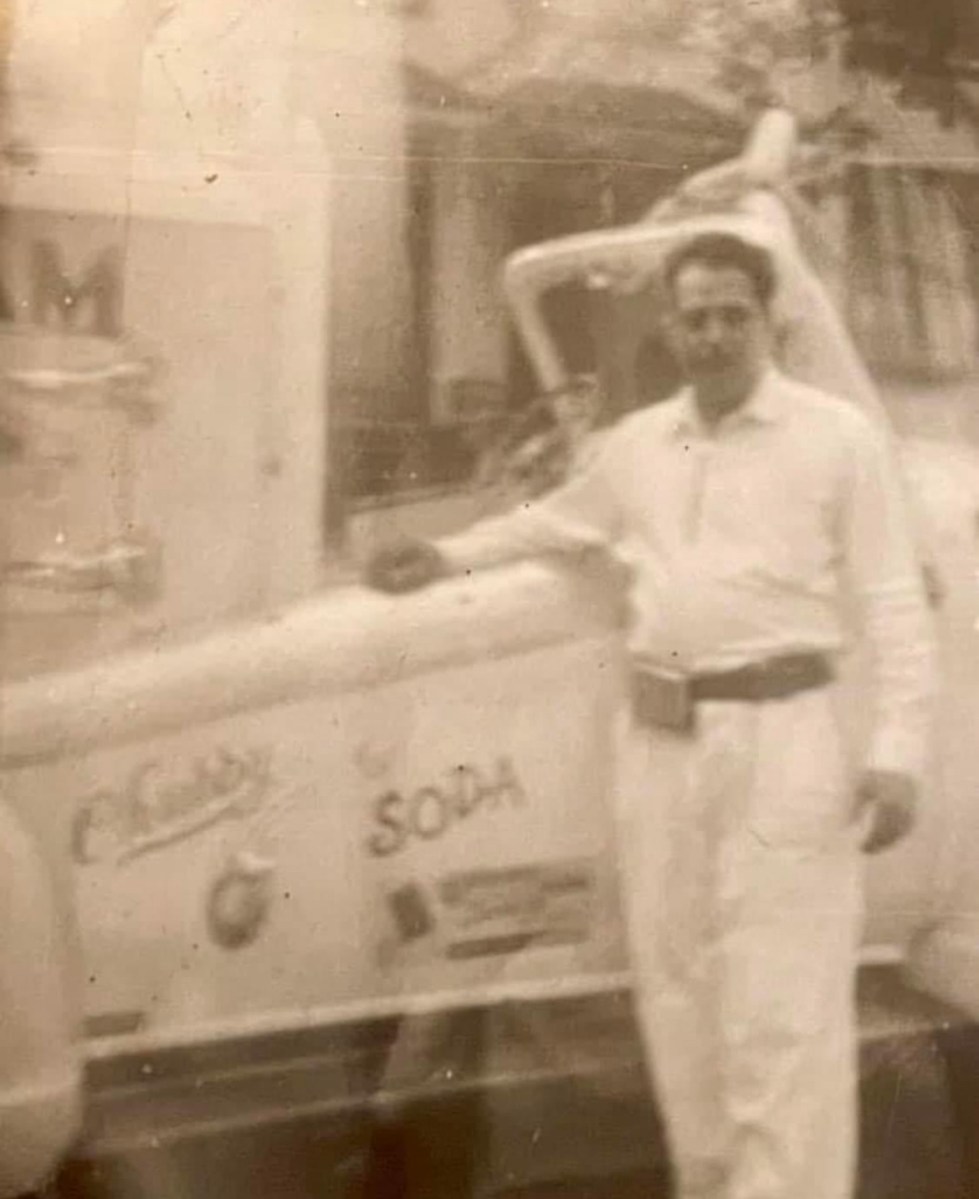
x,y
911,295
912,305
576,68
573,89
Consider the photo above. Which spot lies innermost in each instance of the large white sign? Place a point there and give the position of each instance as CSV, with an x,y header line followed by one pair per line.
x,y
443,836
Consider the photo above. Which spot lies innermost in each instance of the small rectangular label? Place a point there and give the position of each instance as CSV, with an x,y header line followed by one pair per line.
x,y
502,911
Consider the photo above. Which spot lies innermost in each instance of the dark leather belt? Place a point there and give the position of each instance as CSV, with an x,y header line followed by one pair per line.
x,y
774,678
667,700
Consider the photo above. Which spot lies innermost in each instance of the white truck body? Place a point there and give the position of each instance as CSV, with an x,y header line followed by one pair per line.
x,y
362,806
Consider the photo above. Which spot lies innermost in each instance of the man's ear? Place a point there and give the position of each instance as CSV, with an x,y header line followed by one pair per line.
x,y
778,332
670,327
778,336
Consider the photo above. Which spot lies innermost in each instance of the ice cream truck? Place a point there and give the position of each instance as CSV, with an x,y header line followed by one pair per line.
x,y
328,860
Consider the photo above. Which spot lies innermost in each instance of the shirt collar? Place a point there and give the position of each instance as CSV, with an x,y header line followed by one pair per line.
x,y
764,406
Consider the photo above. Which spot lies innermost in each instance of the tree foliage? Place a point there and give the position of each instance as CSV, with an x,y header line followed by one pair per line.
x,y
755,42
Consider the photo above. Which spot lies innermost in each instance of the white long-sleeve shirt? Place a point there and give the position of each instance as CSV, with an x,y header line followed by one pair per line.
x,y
743,540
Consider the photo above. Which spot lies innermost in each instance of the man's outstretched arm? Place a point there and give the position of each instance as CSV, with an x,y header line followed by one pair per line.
x,y
584,513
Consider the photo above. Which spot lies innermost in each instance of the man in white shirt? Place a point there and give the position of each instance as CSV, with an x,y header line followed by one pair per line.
x,y
746,506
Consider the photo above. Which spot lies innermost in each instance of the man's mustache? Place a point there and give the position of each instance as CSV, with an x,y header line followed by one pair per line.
x,y
713,359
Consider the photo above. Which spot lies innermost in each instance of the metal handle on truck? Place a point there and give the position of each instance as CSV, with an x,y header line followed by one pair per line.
x,y
131,567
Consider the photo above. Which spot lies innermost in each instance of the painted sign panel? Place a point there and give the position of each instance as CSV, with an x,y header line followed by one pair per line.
x,y
488,843
441,835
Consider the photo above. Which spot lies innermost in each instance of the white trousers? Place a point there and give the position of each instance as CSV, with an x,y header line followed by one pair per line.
x,y
742,886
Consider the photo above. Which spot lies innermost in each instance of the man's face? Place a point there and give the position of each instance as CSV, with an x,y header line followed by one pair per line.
x,y
721,332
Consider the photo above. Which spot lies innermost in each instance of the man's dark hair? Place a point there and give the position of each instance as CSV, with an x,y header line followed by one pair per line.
x,y
724,250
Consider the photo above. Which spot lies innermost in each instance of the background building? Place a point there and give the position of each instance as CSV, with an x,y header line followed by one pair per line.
x,y
531,121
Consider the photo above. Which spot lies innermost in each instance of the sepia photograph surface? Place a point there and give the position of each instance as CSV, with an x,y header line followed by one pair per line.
x,y
489,599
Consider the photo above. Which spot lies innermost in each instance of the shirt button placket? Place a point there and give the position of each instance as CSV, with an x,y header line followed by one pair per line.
x,y
701,454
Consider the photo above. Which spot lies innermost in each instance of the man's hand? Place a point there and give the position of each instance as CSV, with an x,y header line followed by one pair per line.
x,y
886,802
405,566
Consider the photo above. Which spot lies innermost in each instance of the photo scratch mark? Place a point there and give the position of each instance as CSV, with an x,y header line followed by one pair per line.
x,y
177,90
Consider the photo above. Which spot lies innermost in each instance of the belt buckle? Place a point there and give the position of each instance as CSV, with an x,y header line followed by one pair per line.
x,y
662,699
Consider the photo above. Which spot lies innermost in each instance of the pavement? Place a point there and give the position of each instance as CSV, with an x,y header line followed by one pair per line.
x,y
527,1101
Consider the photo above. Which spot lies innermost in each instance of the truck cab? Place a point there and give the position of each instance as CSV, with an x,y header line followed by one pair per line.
x,y
336,864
